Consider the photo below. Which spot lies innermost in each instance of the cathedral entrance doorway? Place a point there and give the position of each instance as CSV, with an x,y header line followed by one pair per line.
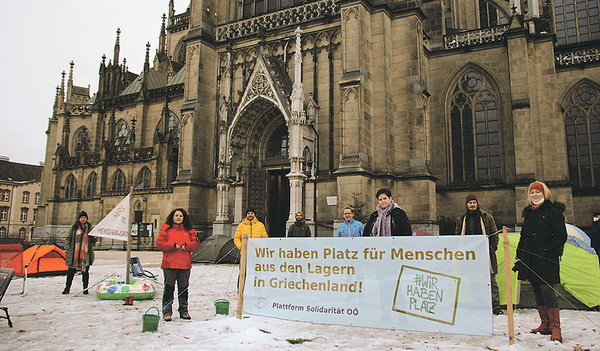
x,y
278,202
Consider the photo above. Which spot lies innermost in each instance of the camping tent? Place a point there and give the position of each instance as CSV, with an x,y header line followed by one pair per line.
x,y
45,260
579,273
217,249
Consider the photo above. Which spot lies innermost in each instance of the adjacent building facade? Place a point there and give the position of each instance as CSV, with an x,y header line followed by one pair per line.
x,y
20,195
287,105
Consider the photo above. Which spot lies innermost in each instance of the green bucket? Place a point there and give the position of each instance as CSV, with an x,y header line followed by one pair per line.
x,y
222,306
150,321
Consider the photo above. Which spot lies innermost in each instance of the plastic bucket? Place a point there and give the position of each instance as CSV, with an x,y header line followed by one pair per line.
x,y
150,321
222,306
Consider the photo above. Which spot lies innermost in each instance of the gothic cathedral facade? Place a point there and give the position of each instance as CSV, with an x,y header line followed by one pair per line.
x,y
313,105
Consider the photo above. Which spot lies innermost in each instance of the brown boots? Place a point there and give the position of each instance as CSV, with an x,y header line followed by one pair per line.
x,y
550,324
554,316
544,327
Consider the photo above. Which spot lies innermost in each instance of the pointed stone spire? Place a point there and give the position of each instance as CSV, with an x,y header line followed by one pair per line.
x,y
147,63
117,47
70,83
171,9
297,94
56,101
162,42
62,86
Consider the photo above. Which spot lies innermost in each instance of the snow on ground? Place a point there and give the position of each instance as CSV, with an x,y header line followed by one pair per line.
x,y
45,319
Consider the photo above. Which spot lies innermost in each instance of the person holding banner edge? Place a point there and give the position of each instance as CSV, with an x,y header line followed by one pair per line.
x,y
543,236
475,221
389,219
80,252
177,240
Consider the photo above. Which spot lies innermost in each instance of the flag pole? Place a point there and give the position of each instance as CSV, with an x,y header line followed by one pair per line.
x,y
508,277
129,238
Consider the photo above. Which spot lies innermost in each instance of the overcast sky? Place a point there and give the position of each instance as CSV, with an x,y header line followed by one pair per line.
x,y
39,38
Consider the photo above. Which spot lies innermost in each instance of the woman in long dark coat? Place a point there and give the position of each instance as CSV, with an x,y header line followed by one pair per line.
x,y
80,251
541,245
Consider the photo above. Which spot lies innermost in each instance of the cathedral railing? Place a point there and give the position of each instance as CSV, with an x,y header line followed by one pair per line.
x,y
80,109
164,92
118,156
91,159
120,100
179,22
143,154
280,19
577,57
69,161
475,37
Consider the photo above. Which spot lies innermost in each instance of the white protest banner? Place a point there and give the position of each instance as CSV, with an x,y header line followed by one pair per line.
x,y
431,284
116,224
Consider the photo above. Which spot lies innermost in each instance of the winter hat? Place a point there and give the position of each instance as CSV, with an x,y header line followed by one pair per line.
x,y
249,210
471,197
537,186
82,214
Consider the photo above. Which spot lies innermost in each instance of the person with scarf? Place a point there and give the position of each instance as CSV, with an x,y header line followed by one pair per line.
x,y
543,237
80,252
389,219
475,221
299,228
177,240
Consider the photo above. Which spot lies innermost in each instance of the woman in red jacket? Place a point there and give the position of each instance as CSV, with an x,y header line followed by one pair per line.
x,y
177,240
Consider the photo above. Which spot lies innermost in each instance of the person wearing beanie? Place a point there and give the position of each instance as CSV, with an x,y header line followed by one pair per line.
x,y
475,221
79,248
541,244
250,227
177,241
299,228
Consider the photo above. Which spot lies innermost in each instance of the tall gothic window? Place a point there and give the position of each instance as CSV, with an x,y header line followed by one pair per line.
x,y
474,130
279,143
490,15
122,139
582,127
143,179
90,187
118,181
81,141
253,8
70,187
576,21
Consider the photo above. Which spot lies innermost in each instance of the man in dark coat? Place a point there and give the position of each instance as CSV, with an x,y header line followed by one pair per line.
x,y
299,228
595,234
475,221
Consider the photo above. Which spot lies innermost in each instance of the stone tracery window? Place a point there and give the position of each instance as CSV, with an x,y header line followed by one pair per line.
x,y
582,128
490,15
81,141
122,139
576,21
118,181
70,187
143,180
90,188
474,130
279,143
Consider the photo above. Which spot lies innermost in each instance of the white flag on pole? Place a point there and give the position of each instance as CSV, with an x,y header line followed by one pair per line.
x,y
116,224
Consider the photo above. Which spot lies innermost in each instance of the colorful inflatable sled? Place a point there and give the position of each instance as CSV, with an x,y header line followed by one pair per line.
x,y
116,289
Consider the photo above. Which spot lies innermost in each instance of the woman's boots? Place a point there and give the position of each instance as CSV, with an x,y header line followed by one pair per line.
x,y
544,327
554,316
550,325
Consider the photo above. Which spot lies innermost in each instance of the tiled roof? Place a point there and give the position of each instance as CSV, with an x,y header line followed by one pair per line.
x,y
19,172
155,80
178,78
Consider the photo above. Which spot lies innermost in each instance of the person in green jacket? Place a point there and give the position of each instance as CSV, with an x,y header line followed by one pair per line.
x,y
299,228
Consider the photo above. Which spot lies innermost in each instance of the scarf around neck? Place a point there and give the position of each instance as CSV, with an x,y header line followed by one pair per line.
x,y
383,224
80,251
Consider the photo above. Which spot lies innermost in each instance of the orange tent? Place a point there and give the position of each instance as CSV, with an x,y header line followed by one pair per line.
x,y
45,259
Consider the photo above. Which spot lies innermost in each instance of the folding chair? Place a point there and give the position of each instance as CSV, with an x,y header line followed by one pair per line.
x,y
138,271
6,275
